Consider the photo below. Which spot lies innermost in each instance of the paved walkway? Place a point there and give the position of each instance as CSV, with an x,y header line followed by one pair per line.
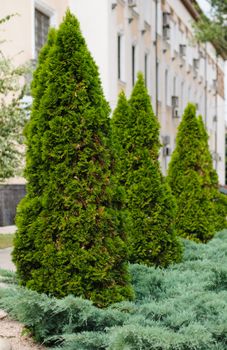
x,y
5,254
6,260
7,229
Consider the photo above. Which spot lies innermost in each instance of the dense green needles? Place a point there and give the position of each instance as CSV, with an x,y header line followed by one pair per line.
x,y
201,208
69,238
148,201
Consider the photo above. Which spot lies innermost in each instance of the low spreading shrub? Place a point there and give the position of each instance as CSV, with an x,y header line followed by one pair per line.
x,y
183,307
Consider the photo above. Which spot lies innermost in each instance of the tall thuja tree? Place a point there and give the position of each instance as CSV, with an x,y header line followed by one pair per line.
x,y
150,205
31,205
190,176
78,243
211,181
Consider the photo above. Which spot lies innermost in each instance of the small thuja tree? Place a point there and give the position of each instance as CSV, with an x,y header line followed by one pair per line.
x,y
78,245
150,205
193,181
12,115
211,181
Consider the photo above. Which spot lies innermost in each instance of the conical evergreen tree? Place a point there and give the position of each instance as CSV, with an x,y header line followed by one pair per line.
x,y
151,207
77,242
30,207
193,180
211,181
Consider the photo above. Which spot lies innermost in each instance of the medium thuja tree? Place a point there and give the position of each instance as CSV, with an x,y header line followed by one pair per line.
x,y
193,180
148,201
78,245
12,115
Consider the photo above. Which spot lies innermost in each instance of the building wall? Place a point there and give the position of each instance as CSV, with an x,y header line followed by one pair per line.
x,y
168,74
203,86
19,31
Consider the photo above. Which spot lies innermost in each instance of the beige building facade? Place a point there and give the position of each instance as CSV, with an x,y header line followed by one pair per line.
x,y
127,36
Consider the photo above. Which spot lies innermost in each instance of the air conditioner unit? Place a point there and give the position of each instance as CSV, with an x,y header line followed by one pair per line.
x,y
143,28
175,101
196,63
214,84
215,118
132,3
114,4
166,151
176,113
166,19
215,156
197,106
201,53
166,140
166,33
182,50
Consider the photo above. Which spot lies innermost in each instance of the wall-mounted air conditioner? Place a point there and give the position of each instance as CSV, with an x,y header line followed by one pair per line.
x,y
182,50
195,63
114,4
166,140
132,3
166,19
175,101
166,33
214,84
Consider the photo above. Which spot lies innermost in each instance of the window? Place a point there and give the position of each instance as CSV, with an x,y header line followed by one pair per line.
x,y
174,86
182,98
145,68
120,57
42,23
133,64
166,87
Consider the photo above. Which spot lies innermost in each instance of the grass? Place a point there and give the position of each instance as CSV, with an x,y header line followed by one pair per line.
x,y
6,240
183,307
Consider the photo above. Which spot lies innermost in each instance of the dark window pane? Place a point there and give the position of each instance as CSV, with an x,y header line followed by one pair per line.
x,y
42,23
133,65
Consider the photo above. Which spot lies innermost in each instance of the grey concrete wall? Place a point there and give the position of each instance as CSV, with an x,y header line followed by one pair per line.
x,y
10,196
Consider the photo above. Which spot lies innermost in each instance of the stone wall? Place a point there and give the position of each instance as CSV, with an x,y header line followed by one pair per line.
x,y
10,196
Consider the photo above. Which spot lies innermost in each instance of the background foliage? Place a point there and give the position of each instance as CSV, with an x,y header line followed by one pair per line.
x,y
213,28
12,115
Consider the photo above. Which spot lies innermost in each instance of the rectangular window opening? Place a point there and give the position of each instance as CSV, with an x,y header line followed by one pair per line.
x,y
42,24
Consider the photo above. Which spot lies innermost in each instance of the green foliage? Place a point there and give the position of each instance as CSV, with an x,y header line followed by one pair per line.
x,y
214,28
69,238
194,182
219,199
148,201
183,307
12,115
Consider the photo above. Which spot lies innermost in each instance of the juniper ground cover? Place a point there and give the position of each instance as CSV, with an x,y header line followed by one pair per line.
x,y
179,308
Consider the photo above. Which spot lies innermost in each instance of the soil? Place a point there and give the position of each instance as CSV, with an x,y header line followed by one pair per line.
x,y
13,335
